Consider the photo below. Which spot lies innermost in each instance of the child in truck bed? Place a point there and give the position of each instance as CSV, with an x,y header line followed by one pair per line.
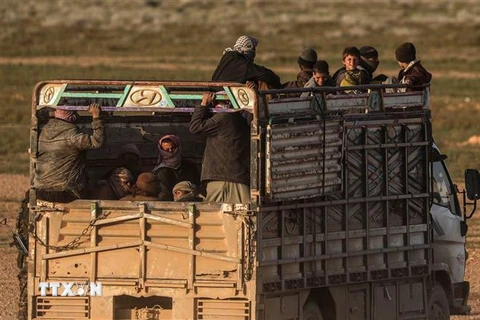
x,y
412,72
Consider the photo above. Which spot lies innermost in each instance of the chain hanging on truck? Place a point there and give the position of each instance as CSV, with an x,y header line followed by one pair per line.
x,y
72,244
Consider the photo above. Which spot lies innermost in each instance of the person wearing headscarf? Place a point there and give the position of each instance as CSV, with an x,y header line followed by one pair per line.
x,y
237,65
146,188
185,191
171,168
369,62
60,169
116,186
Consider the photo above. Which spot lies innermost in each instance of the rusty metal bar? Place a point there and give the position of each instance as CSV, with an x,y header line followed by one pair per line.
x,y
190,251
89,250
43,230
242,254
141,249
169,221
93,243
118,219
191,246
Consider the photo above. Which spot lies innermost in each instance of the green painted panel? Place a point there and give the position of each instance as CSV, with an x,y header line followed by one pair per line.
x,y
60,94
126,91
231,97
92,95
167,97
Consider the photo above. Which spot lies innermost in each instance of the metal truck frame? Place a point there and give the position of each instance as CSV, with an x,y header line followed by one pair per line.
x,y
353,214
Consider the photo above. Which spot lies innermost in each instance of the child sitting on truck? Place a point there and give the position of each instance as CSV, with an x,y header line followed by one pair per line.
x,y
306,62
321,77
350,75
412,72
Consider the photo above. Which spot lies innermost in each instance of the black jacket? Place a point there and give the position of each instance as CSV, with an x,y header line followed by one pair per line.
x,y
227,152
235,67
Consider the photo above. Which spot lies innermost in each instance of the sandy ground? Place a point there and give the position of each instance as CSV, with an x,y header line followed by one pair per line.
x,y
12,190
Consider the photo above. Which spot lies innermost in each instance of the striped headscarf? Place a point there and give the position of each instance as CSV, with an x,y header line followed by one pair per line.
x,y
66,115
245,45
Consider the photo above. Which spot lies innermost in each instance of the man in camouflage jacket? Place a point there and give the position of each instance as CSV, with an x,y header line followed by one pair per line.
x,y
60,174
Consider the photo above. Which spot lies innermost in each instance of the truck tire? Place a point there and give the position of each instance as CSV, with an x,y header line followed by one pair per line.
x,y
438,308
311,311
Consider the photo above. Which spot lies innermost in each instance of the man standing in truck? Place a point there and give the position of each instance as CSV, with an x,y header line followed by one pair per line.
x,y
237,65
60,171
225,166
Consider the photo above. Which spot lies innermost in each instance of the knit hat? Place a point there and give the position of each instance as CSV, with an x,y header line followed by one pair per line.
x,y
307,58
368,52
148,183
405,52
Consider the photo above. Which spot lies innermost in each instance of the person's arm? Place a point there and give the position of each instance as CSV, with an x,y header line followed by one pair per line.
x,y
199,122
85,141
259,73
310,84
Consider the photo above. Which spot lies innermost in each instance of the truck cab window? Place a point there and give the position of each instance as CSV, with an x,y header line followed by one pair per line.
x,y
443,190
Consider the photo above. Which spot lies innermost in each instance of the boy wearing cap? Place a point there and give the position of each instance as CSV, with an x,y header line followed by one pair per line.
x,y
320,78
412,72
306,61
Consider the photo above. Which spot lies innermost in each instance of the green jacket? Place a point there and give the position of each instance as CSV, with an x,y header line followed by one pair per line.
x,y
61,155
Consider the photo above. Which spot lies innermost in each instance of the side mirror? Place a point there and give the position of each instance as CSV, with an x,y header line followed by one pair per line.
x,y
437,156
472,184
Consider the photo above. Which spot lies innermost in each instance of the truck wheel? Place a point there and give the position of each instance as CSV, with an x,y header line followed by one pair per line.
x,y
311,311
438,308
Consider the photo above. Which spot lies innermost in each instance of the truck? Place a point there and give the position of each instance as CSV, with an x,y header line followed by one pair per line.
x,y
352,215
